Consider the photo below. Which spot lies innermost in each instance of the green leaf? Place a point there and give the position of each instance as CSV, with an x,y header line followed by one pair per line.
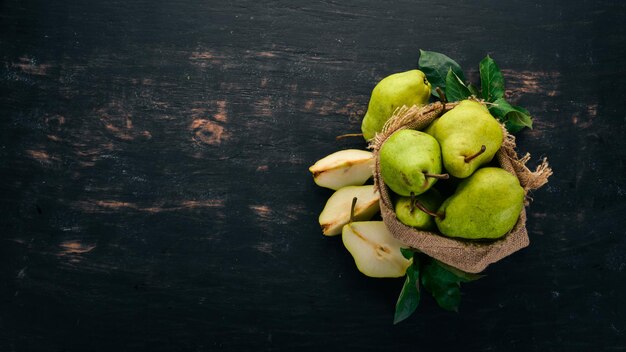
x,y
521,109
410,295
407,253
515,118
500,108
491,80
451,298
474,90
517,121
455,88
435,66
461,275
443,285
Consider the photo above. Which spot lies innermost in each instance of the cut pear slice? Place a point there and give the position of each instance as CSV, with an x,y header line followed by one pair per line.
x,y
374,249
350,167
336,213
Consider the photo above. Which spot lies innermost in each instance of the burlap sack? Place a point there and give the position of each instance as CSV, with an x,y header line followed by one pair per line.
x,y
472,257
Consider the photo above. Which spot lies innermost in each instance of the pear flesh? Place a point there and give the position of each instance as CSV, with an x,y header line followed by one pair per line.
x,y
485,205
374,249
409,160
336,212
469,137
408,211
350,167
405,88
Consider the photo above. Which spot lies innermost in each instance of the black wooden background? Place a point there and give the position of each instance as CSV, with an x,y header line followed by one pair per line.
x,y
155,193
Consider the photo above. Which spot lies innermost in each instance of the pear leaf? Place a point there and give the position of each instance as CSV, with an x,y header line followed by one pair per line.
x,y
456,90
410,295
515,118
436,66
500,108
474,90
525,120
443,285
517,121
407,253
461,275
491,80
522,110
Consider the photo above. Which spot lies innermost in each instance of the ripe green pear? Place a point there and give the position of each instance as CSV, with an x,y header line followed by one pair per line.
x,y
406,88
485,205
409,213
349,167
374,249
410,162
469,137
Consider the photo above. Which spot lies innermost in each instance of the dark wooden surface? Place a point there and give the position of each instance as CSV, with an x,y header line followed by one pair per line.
x,y
155,193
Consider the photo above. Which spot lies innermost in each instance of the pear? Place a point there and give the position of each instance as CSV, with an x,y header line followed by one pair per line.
x,y
350,167
336,212
469,137
410,162
406,88
374,249
419,211
485,205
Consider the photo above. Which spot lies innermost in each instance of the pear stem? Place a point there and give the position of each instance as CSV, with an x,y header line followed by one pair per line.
x,y
352,209
348,135
442,95
411,203
437,176
471,157
421,207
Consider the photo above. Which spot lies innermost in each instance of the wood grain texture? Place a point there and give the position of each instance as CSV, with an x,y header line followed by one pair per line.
x,y
155,192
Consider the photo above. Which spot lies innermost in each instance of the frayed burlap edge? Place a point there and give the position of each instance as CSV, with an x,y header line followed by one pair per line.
x,y
468,256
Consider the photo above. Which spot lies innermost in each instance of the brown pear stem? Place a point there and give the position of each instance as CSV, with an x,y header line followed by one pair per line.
x,y
411,205
471,157
348,135
421,207
438,176
442,95
352,209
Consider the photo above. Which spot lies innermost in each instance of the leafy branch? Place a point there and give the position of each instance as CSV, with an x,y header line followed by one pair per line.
x,y
441,280
444,73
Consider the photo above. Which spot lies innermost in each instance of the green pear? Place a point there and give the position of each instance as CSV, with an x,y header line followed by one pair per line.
x,y
410,162
336,212
406,88
374,249
349,167
469,137
485,205
419,211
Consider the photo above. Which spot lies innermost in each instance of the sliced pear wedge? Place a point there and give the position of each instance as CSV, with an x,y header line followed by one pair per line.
x,y
350,167
374,249
336,213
